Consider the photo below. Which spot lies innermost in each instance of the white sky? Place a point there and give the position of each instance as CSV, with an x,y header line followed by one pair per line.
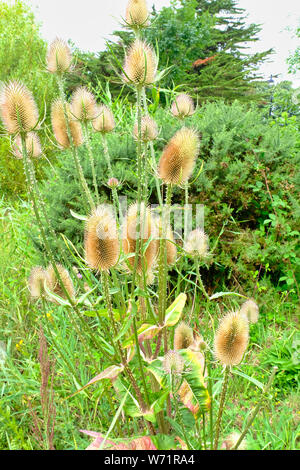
x,y
89,22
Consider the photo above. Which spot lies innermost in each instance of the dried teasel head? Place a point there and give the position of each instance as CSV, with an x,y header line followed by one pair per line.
x,y
104,121
182,106
250,310
54,285
140,65
101,243
231,339
231,440
59,57
59,125
179,156
137,13
36,282
83,105
170,244
183,336
18,109
197,243
32,143
131,234
173,363
149,129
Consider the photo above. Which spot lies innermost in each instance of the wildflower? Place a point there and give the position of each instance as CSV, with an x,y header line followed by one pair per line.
x,y
54,285
231,339
104,121
149,130
19,344
32,143
36,282
179,156
83,105
140,65
183,336
59,57
250,310
113,183
173,363
197,243
183,106
137,13
59,125
18,109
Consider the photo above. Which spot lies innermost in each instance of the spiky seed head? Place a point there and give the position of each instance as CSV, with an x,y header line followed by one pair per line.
x,y
179,156
231,339
250,310
101,244
59,57
113,182
231,440
32,143
53,283
183,336
143,227
18,109
104,121
149,129
83,105
140,65
197,243
36,282
170,245
60,128
182,106
173,363
137,13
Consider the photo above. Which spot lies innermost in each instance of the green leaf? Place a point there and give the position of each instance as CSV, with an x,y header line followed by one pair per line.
x,y
146,331
250,379
174,312
78,216
220,294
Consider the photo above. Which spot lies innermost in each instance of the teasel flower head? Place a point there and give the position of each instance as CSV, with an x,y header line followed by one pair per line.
x,y
250,310
197,243
140,65
53,283
101,243
231,440
137,14
59,57
149,129
183,336
113,182
170,245
179,156
182,106
83,105
18,109
231,339
36,282
131,234
32,143
173,363
104,121
59,125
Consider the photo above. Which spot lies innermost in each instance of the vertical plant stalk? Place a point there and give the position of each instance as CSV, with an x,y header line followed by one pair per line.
x,y
91,157
221,407
257,408
209,388
200,278
178,413
110,172
186,203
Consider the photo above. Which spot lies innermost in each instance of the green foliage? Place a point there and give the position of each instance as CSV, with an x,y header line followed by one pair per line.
x,y
294,59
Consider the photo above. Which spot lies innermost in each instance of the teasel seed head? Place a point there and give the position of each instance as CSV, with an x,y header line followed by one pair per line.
x,y
104,121
101,243
131,235
32,143
59,57
182,106
113,182
183,336
60,128
173,363
137,13
250,310
231,339
179,156
18,109
140,65
149,129
231,440
53,284
83,105
36,282
197,243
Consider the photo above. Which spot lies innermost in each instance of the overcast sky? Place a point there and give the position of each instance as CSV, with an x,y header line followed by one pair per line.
x,y
89,22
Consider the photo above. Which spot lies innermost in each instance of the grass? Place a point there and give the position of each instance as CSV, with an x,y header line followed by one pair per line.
x,y
274,341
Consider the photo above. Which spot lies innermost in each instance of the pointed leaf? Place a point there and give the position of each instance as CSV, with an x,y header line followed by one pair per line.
x,y
174,312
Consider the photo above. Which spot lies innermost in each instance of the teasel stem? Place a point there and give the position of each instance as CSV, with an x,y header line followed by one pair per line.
x,y
111,175
178,413
203,430
200,278
78,166
186,202
257,408
221,406
209,388
91,157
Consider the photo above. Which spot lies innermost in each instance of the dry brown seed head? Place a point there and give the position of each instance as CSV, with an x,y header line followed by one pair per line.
x,y
53,284
104,121
149,129
250,310
33,146
173,363
140,65
18,109
101,244
83,105
197,243
182,106
137,13
231,339
60,128
183,336
59,57
179,156
36,282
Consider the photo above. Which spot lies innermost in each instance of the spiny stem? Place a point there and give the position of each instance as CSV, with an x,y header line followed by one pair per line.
x,y
91,157
221,407
200,279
